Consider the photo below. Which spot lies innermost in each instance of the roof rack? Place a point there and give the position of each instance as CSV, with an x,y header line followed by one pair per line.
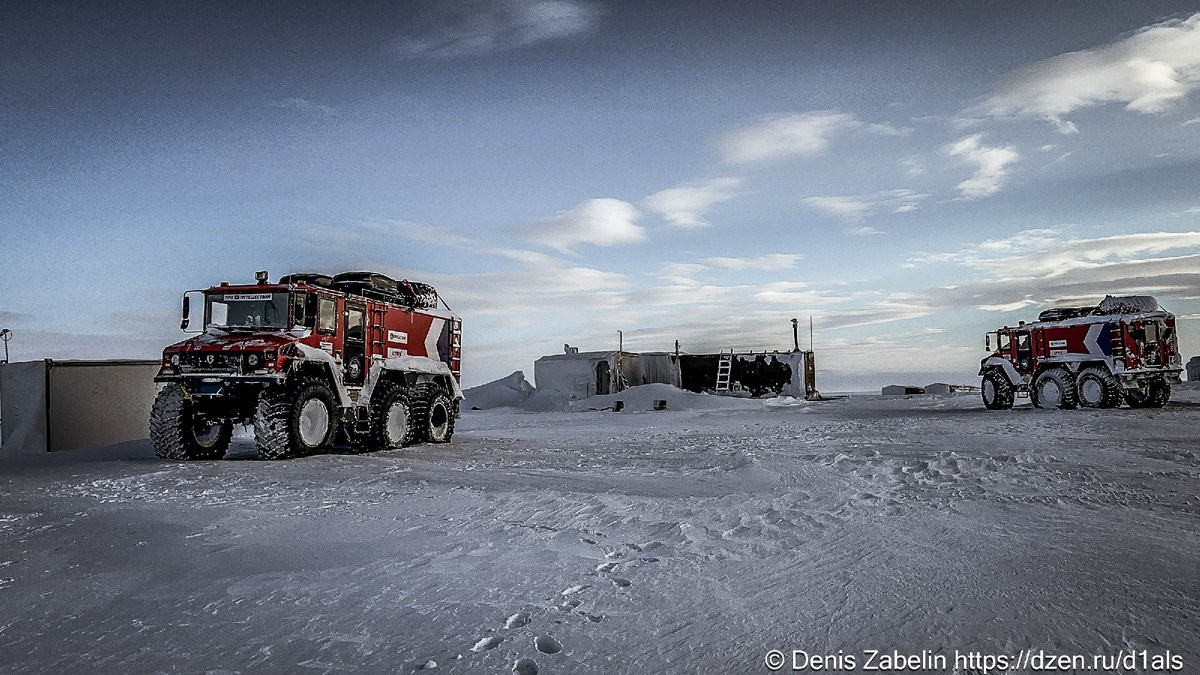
x,y
381,287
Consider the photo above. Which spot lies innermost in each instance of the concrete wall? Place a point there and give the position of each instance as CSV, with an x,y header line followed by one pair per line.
x,y
23,407
51,406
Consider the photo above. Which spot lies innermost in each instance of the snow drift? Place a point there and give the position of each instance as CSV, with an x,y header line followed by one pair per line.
x,y
507,391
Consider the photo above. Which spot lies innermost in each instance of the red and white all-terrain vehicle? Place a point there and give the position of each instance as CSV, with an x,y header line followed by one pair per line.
x,y
306,359
1124,349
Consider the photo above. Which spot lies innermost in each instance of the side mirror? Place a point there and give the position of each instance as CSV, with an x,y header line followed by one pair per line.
x,y
987,341
187,309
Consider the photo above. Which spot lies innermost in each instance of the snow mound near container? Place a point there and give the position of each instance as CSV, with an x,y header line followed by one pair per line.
x,y
512,390
643,397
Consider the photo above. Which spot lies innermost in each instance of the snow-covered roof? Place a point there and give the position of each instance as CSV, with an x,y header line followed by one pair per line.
x,y
581,356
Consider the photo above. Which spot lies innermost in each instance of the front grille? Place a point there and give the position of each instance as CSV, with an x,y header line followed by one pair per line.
x,y
210,362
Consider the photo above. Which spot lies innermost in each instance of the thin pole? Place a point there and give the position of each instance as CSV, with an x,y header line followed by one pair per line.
x,y
810,333
796,334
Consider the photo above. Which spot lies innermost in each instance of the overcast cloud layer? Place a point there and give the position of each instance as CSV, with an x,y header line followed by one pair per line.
x,y
909,177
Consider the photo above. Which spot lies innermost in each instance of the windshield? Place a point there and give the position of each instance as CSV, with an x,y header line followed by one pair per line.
x,y
250,310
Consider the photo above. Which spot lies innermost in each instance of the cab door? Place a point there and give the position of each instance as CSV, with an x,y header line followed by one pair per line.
x,y
354,346
1024,352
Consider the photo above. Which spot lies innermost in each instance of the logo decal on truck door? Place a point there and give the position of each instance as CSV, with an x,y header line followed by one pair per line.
x,y
398,337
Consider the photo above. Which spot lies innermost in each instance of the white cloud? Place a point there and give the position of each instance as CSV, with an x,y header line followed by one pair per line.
x,y
856,207
1087,253
1008,306
1046,253
1188,123
840,207
451,28
1147,71
684,206
1039,267
794,135
913,165
791,293
305,106
862,231
675,270
426,234
771,261
991,165
603,222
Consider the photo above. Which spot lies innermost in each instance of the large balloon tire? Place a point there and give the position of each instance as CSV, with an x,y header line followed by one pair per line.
x,y
1097,387
1055,379
392,418
998,389
178,433
288,417
433,410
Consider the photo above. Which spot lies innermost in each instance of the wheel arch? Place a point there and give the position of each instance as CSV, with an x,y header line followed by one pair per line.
x,y
1005,366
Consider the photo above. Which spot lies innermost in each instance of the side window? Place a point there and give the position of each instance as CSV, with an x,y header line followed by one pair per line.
x,y
1005,342
355,318
327,316
304,310
1022,342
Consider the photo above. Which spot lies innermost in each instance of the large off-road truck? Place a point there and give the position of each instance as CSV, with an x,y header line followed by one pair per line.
x,y
1123,350
310,360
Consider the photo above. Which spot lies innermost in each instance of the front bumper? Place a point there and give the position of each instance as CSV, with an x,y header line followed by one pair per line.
x,y
213,384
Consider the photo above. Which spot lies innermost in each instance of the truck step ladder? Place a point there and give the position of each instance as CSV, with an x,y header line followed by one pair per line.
x,y
455,347
724,368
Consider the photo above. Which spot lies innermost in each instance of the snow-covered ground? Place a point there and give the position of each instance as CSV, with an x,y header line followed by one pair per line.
x,y
691,540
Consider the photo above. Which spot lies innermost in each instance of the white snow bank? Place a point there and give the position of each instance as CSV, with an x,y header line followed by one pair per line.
x,y
506,391
786,402
643,397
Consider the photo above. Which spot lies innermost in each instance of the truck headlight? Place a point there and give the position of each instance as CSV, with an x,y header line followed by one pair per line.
x,y
175,359
252,360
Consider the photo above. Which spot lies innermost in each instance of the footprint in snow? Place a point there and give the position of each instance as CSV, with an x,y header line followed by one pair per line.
x,y
517,620
575,589
622,583
487,643
525,667
547,645
650,560
588,541
607,567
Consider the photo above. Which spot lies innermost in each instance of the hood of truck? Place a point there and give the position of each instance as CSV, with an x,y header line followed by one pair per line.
x,y
238,340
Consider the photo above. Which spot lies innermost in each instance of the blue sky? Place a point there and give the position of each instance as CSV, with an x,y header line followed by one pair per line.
x,y
910,177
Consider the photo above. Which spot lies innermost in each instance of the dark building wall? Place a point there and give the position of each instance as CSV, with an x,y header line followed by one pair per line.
x,y
759,376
